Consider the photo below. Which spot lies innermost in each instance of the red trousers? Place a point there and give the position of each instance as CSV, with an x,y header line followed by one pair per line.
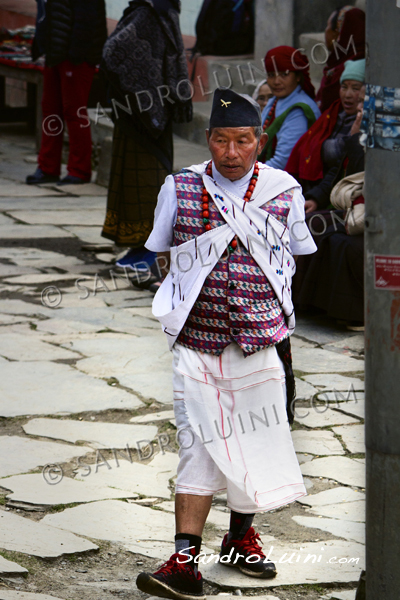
x,y
66,89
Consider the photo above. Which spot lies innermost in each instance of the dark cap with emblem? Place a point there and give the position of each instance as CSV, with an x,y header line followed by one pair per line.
x,y
230,109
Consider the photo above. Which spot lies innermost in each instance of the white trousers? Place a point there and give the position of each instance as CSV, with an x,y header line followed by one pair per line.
x,y
233,430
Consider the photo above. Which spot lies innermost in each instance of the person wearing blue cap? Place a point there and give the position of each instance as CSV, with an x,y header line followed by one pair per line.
x,y
322,146
229,229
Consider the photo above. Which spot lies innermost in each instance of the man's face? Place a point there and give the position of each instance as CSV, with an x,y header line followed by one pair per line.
x,y
234,150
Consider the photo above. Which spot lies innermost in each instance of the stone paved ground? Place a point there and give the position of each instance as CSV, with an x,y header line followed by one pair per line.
x,y
85,377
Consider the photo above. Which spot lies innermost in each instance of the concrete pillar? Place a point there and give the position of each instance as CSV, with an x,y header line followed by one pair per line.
x,y
382,319
274,25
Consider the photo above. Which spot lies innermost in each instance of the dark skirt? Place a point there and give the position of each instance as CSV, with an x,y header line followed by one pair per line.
x,y
332,279
137,174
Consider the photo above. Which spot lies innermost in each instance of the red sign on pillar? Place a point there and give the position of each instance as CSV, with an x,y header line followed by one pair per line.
x,y
387,272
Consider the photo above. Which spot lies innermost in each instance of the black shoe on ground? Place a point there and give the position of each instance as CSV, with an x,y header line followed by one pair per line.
x,y
176,580
241,551
39,177
71,180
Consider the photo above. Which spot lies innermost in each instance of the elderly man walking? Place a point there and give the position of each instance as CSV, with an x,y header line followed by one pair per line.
x,y
229,230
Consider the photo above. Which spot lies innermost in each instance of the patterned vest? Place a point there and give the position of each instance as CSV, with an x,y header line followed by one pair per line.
x,y
237,302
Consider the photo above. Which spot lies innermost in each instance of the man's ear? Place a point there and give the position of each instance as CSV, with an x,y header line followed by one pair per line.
x,y
262,142
208,135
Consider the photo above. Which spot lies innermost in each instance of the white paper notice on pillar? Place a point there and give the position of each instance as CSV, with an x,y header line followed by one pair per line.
x,y
398,3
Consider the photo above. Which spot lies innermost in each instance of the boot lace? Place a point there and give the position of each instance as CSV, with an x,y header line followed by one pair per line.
x,y
176,562
250,545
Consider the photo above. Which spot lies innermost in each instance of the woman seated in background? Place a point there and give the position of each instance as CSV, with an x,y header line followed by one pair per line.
x,y
345,40
332,279
315,157
291,110
262,94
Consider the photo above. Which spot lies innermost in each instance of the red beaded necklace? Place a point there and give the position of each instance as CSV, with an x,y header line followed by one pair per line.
x,y
270,116
206,197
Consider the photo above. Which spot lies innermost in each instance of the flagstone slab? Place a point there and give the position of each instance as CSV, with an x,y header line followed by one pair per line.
x,y
21,190
24,328
39,259
354,343
89,235
311,571
298,342
145,302
11,320
44,388
349,530
96,435
143,311
7,567
335,381
347,595
304,389
130,361
4,220
26,232
40,278
34,489
164,415
52,202
115,521
16,347
302,458
86,189
336,495
157,549
152,549
341,397
124,297
92,216
19,534
321,416
67,338
71,299
315,360
150,479
159,389
355,408
216,517
61,327
21,454
18,595
353,436
105,257
318,329
316,442
347,511
104,317
308,483
8,270
226,596
234,597
339,468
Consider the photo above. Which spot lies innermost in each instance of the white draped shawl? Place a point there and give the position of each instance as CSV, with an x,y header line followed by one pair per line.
x,y
266,239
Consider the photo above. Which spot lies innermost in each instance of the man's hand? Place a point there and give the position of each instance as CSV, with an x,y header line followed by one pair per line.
x,y
310,206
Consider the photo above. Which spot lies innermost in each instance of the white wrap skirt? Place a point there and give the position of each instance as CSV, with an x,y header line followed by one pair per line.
x,y
233,430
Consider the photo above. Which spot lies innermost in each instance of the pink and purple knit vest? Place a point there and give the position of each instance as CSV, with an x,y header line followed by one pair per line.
x,y
237,302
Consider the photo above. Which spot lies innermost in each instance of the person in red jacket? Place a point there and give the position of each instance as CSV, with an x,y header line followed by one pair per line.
x,y
345,40
71,34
